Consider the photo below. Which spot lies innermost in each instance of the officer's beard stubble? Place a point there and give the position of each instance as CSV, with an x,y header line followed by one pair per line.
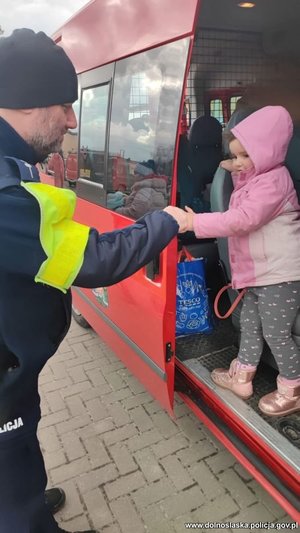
x,y
49,135
42,148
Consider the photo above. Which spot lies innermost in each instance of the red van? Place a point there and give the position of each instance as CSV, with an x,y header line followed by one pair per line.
x,y
138,62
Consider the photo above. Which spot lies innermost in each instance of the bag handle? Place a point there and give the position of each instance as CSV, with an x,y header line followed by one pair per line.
x,y
184,252
233,305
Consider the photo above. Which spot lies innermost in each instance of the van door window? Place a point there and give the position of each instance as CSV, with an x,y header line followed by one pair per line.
x,y
92,138
144,119
233,101
216,109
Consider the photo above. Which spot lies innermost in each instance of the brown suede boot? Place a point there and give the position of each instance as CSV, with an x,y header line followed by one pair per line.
x,y
235,379
283,401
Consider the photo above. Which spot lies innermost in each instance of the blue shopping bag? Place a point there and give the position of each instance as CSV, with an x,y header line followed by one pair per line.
x,y
193,311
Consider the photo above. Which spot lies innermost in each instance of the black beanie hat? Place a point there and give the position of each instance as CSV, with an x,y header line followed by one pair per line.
x,y
34,72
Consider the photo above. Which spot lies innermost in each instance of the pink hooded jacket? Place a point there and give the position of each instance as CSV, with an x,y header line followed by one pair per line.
x,y
263,220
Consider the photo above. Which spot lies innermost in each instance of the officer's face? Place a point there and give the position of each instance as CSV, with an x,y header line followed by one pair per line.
x,y
51,125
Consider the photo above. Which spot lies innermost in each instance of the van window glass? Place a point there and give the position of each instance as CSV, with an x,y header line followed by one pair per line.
x,y
216,109
144,117
233,102
92,133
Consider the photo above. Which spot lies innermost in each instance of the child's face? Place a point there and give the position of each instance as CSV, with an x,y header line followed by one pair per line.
x,y
240,159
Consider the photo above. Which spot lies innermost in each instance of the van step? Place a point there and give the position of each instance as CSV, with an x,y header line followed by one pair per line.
x,y
276,432
217,351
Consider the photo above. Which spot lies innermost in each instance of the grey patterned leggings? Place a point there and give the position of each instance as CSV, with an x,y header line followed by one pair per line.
x,y
268,313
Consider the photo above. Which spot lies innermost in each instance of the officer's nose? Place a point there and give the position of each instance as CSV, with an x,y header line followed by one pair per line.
x,y
71,118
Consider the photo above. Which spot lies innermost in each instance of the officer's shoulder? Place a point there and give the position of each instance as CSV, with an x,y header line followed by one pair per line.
x,y
13,171
23,170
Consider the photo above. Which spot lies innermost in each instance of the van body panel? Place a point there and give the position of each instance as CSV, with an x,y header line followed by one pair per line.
x,y
148,324
133,26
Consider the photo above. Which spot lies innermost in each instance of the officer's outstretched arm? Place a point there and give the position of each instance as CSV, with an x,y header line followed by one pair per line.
x,y
111,257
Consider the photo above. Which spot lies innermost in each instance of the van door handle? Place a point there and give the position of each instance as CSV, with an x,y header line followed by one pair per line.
x,y
152,268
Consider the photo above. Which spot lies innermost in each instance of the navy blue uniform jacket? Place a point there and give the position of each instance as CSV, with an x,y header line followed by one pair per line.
x,y
34,318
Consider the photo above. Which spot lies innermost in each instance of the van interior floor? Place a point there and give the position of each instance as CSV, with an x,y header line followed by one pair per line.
x,y
200,354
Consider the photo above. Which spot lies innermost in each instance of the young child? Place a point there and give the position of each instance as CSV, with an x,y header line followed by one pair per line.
x,y
263,229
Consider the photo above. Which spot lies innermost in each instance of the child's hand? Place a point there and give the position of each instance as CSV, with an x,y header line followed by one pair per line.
x,y
190,218
180,216
227,164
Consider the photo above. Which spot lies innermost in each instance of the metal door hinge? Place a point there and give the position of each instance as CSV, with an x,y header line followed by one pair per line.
x,y
169,352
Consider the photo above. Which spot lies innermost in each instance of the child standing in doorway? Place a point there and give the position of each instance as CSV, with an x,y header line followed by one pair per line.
x,y
262,224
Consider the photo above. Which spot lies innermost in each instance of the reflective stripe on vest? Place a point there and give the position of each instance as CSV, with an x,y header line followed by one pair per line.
x,y
63,240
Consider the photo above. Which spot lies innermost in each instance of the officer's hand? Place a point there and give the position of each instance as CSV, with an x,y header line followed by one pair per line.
x,y
180,216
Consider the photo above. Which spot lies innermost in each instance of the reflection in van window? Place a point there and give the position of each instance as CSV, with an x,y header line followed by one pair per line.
x,y
144,119
92,133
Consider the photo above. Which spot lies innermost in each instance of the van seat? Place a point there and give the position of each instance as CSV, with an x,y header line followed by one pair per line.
x,y
205,151
293,159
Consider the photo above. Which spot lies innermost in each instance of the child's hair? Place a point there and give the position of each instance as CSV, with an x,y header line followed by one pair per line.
x,y
228,137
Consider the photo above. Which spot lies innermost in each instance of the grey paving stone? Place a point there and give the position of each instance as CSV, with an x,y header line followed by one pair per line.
x,y
192,428
54,418
122,459
135,386
73,423
183,502
149,465
256,513
142,441
137,399
237,488
196,452
55,459
119,414
141,418
97,508
72,446
269,502
176,472
153,493
92,479
80,523
207,481
49,439
165,425
156,521
96,409
97,452
55,401
70,470
168,446
75,405
220,461
127,516
218,510
124,485
120,434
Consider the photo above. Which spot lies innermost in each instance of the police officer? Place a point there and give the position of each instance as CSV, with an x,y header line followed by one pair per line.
x,y
43,251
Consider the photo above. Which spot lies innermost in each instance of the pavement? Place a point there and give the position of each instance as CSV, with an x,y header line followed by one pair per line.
x,y
125,464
